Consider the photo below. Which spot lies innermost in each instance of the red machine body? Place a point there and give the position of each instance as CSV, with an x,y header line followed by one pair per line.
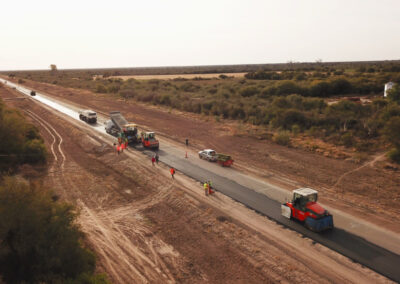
x,y
304,208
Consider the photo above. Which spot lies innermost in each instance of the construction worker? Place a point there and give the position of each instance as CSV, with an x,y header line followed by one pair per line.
x,y
210,191
118,148
172,171
153,160
156,158
126,143
206,188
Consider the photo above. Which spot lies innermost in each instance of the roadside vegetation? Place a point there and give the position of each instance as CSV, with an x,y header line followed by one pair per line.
x,y
40,241
20,141
320,100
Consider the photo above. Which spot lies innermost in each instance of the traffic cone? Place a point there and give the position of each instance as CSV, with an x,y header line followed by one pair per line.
x,y
186,156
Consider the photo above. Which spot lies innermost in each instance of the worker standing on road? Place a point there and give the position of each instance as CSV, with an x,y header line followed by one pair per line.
x,y
156,158
153,160
126,143
118,148
187,142
205,188
172,170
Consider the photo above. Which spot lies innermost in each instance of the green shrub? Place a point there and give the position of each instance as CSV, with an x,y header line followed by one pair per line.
x,y
296,129
101,89
282,138
394,155
347,139
34,151
127,93
394,93
40,239
248,91
392,131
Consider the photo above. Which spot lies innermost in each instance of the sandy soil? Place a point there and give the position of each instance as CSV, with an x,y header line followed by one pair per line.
x,y
148,228
185,76
370,191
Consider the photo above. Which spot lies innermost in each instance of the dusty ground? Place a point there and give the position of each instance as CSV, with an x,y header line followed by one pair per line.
x,y
370,191
146,227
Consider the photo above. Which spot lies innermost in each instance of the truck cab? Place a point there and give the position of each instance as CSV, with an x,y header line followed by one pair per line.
x,y
130,132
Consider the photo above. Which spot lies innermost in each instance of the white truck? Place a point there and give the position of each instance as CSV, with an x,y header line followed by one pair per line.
x,y
88,115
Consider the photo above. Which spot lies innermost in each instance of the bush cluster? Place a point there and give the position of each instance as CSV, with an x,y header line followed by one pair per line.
x,y
40,239
20,141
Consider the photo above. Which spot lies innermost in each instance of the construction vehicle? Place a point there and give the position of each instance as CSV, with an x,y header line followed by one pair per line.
x,y
88,115
304,208
118,126
149,140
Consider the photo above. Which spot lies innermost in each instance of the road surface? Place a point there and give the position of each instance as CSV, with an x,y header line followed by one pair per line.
x,y
261,197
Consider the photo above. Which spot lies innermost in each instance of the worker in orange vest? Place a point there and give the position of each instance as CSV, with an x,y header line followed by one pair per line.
x,y
172,170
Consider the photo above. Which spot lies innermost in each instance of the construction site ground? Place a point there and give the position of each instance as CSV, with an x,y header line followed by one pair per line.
x,y
147,227
370,191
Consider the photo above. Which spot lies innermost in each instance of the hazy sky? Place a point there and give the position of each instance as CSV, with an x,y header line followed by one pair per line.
x,y
83,34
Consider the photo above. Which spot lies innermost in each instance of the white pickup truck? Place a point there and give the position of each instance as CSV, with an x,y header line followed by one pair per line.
x,y
208,154
88,116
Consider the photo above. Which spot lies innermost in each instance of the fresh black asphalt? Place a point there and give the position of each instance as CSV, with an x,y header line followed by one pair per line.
x,y
356,248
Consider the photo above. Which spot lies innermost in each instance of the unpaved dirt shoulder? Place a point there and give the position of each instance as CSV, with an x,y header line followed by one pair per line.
x,y
145,227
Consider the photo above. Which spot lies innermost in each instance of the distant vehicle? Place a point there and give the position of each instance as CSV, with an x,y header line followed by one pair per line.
x,y
88,115
33,93
118,126
304,208
208,154
149,140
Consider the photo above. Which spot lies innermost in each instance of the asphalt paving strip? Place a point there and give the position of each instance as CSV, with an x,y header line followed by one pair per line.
x,y
356,248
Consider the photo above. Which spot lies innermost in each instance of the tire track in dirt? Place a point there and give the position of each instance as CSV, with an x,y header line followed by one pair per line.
x,y
106,236
371,163
113,243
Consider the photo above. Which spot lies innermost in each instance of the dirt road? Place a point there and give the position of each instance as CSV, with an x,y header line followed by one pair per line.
x,y
146,227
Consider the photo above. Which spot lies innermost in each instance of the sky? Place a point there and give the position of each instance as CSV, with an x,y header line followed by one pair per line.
x,y
97,34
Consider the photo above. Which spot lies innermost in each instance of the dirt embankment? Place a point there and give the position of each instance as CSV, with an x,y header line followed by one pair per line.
x,y
146,227
371,192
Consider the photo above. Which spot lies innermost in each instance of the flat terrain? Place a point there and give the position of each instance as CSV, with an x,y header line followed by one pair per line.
x,y
146,227
185,76
370,191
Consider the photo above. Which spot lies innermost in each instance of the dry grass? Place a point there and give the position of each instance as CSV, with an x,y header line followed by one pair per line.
x,y
186,76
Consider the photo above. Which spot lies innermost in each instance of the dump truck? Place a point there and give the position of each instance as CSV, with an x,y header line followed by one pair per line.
x,y
304,208
118,126
88,115
149,140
